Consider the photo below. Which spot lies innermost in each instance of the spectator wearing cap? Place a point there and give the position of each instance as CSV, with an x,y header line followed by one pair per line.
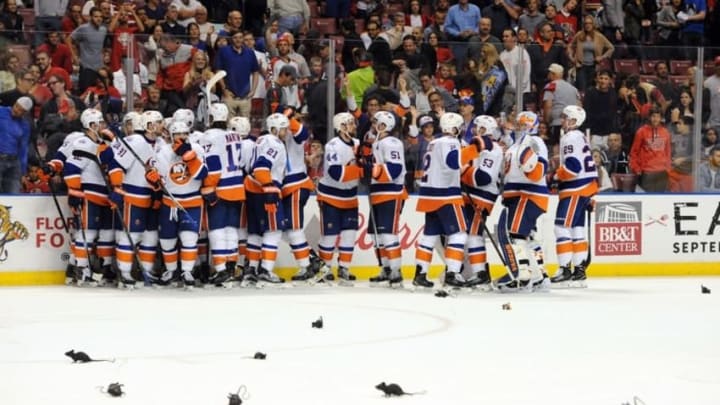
x,y
293,15
14,142
466,109
174,62
243,75
286,56
712,84
89,39
557,95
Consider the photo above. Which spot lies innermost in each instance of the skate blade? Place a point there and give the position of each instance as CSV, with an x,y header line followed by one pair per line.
x,y
542,285
482,288
380,284
346,283
420,289
561,285
128,287
578,284
188,287
69,281
276,286
397,286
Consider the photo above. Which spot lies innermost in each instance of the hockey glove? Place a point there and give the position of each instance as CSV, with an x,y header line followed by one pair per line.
x,y
272,198
156,198
590,207
153,178
75,199
48,169
107,135
116,197
482,143
184,150
210,196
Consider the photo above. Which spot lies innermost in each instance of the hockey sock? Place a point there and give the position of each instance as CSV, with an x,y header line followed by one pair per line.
x,y
230,244
579,245
270,241
391,244
564,245
254,250
424,251
455,251
170,254
326,247
300,248
216,239
188,250
148,250
242,245
476,253
346,247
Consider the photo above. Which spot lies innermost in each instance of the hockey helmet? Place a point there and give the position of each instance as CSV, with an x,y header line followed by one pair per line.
x,y
528,122
135,119
241,125
385,118
151,117
185,115
573,112
218,112
341,120
276,121
178,128
451,123
489,124
91,116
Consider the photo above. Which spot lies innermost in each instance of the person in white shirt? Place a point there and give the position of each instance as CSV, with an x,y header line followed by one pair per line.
x,y
516,61
186,10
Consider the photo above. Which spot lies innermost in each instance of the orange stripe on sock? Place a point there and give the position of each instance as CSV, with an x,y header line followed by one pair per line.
x,y
422,255
478,258
564,247
453,254
581,246
345,257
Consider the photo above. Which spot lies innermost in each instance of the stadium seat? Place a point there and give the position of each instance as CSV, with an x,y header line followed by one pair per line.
x,y
678,80
680,67
626,66
624,182
323,25
395,8
648,65
22,52
28,15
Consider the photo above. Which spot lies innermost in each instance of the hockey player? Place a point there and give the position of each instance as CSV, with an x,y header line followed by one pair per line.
x,y
577,184
525,198
136,192
88,195
337,196
440,198
387,195
481,181
241,127
223,191
266,217
182,171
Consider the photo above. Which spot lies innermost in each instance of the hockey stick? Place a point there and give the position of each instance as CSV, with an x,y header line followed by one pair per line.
x,y
66,227
136,259
588,213
219,75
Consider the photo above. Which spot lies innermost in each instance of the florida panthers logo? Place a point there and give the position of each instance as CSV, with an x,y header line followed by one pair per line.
x,y
9,231
179,173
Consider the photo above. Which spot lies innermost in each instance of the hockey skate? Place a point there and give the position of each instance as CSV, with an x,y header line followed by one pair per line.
x,y
345,278
324,274
249,277
188,280
165,280
420,281
109,278
303,276
220,279
381,279
579,278
86,278
266,277
562,277
126,282
237,272
395,279
70,275
479,281
512,282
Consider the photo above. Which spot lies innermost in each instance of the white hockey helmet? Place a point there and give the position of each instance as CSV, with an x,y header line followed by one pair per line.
x,y
178,128
573,112
489,124
185,115
340,121
276,121
528,122
151,117
91,116
451,123
135,119
241,125
384,118
218,112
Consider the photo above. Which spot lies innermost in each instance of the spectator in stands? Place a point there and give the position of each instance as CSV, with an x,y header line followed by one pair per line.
x,y
485,36
616,155
195,80
151,52
612,20
680,175
634,106
89,39
350,44
503,13
692,31
443,77
551,12
314,160
634,17
373,104
71,20
255,16
710,140
460,25
195,39
397,33
249,41
174,61
243,75
493,80
414,16
587,50
287,56
531,18
712,84
102,91
516,61
42,59
56,126
523,38
171,24
14,143
379,47
360,79
600,103
708,179
408,57
155,101
567,19
443,54
35,181
276,100
23,83
207,29
13,21
140,80
650,155
48,15
56,84
683,106
232,25
427,51
186,10
543,53
154,14
557,95
437,25
10,65
124,35
108,10
422,101
544,131
604,182
668,25
662,81
60,54
293,15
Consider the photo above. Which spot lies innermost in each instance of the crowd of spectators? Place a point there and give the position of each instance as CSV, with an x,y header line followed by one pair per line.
x,y
415,58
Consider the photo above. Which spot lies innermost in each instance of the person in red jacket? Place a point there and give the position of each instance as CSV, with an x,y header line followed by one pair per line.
x,y
174,61
60,54
650,154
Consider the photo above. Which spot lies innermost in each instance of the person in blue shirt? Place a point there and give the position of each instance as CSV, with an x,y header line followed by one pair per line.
x,y
692,22
462,23
14,142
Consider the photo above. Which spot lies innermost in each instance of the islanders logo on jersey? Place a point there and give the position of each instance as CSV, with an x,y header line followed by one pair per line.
x,y
179,173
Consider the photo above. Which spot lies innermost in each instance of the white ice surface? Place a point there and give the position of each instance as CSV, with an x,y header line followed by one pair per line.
x,y
657,338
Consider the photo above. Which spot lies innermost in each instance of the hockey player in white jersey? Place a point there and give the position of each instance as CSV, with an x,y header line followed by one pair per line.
x,y
137,193
182,171
387,195
337,196
223,191
241,127
577,185
266,217
88,194
440,198
481,182
525,198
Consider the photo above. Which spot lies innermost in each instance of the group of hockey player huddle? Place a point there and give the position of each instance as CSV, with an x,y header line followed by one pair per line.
x,y
166,185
